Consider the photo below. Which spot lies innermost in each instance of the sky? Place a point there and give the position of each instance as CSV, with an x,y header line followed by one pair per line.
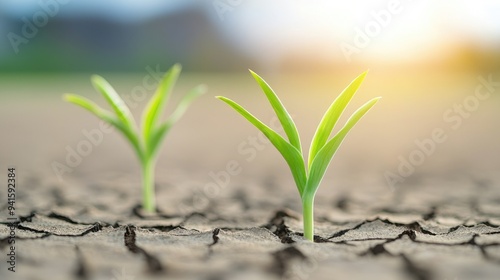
x,y
415,27
122,10
331,30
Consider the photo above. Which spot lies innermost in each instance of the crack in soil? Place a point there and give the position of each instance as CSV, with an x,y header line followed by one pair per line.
x,y
58,197
215,237
486,223
319,239
153,264
158,214
54,215
379,248
414,226
21,219
412,269
4,242
277,226
241,196
430,215
82,271
344,231
282,259
472,241
342,203
415,271
94,228
167,228
215,240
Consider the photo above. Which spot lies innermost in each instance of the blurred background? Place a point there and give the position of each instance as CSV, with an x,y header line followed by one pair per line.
x,y
426,59
222,35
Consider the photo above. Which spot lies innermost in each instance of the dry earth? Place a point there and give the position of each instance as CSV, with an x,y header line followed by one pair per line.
x,y
252,235
441,223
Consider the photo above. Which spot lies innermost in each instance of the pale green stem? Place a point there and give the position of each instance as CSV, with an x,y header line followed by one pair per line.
x,y
148,188
308,216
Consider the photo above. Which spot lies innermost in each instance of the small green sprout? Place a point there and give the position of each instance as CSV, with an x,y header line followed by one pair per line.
x,y
146,144
322,150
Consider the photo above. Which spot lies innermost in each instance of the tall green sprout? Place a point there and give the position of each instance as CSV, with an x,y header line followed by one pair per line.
x,y
146,143
307,177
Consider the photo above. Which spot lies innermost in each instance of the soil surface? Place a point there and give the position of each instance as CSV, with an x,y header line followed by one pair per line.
x,y
254,236
228,209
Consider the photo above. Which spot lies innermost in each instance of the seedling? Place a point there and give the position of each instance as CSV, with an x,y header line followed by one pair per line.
x,y
146,144
307,177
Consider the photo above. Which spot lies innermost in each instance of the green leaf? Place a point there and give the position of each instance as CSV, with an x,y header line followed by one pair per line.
x,y
156,138
159,133
290,153
285,118
331,117
325,155
132,137
107,117
89,106
157,103
185,102
116,102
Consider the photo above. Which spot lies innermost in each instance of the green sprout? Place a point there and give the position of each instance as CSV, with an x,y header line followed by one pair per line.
x,y
322,149
146,144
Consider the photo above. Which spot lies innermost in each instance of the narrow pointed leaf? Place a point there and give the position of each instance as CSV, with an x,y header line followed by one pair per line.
x,y
185,102
159,133
89,106
290,153
107,117
157,137
285,118
132,138
331,117
325,155
158,101
116,102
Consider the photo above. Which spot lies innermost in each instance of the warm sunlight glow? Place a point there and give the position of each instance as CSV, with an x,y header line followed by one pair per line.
x,y
358,30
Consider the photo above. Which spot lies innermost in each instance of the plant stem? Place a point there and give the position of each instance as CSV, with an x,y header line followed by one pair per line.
x,y
308,216
148,188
